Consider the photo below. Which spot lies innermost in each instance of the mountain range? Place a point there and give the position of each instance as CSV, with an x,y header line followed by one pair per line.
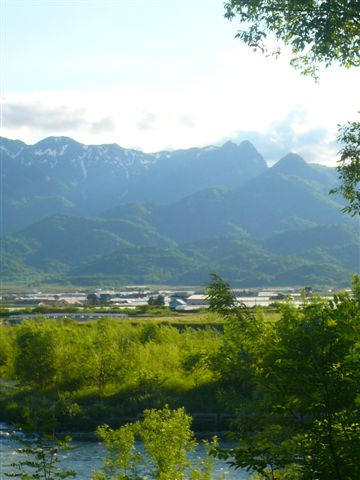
x,y
103,214
60,175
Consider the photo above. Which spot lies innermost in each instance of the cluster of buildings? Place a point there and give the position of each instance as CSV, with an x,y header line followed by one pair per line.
x,y
177,300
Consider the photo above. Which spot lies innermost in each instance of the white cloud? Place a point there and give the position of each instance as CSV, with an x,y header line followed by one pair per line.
x,y
245,93
41,117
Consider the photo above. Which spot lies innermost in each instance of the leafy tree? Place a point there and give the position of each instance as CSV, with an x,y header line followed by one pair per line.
x,y
195,364
167,439
158,301
72,354
104,363
35,357
349,166
299,390
356,288
6,352
318,31
219,295
243,333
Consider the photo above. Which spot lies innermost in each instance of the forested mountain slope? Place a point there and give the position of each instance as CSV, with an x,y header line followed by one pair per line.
x,y
197,211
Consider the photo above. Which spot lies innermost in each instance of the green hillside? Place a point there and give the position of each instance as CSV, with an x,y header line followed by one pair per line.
x,y
280,227
83,250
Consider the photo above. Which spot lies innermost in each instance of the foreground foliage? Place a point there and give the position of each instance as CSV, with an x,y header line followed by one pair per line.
x,y
349,166
317,31
167,440
296,386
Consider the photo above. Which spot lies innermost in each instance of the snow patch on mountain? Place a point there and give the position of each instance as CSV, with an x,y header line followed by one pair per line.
x,y
52,152
9,153
83,168
146,162
4,149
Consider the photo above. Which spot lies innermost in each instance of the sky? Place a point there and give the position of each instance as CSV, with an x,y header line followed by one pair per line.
x,y
156,75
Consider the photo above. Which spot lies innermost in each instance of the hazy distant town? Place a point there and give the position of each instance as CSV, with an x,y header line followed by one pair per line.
x,y
178,300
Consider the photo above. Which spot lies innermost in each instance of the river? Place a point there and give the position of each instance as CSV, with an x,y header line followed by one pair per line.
x,y
88,456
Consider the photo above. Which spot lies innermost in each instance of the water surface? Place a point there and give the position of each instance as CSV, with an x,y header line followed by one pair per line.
x,y
87,456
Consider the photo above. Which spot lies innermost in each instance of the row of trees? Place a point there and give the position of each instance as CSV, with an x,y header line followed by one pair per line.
x,y
73,375
45,354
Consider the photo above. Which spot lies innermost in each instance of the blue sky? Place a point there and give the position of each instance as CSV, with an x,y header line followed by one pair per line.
x,y
160,75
